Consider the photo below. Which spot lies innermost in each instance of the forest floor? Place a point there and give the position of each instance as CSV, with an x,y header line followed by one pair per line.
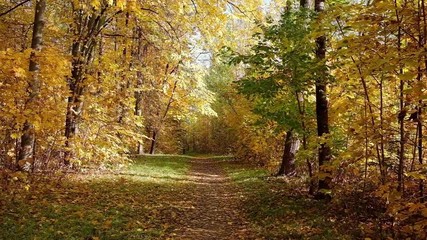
x,y
165,197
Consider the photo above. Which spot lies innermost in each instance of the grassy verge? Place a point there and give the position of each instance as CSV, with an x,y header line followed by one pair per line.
x,y
277,210
135,204
166,167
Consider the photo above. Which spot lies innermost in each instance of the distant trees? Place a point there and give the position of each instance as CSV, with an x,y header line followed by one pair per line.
x,y
125,68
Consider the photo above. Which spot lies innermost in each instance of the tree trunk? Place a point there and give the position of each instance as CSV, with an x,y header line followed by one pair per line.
x,y
75,104
322,110
139,84
138,106
28,137
304,4
423,41
125,83
420,150
86,28
140,149
292,145
82,56
402,140
153,142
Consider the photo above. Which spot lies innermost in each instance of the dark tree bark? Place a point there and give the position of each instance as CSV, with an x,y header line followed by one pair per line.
x,y
75,103
423,41
86,27
322,108
292,145
420,150
28,137
304,4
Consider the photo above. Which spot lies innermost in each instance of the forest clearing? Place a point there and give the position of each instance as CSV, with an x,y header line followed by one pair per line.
x,y
213,119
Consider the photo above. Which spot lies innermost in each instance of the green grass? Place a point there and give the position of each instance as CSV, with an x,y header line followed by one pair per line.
x,y
160,166
136,204
277,210
207,155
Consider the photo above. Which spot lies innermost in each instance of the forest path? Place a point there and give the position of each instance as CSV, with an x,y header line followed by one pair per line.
x,y
215,201
167,197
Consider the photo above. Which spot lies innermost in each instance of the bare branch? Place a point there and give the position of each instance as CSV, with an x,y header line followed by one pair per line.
x,y
107,22
149,10
13,8
195,6
237,7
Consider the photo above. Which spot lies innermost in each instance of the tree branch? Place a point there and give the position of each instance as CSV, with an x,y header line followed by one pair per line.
x,y
13,8
195,6
149,10
237,7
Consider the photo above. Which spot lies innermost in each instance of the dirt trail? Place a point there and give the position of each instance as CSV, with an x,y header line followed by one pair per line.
x,y
215,212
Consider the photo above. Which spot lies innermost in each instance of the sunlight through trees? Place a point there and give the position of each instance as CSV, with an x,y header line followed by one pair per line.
x,y
327,95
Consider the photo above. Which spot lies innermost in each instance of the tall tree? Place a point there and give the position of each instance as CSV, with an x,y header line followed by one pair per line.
x,y
280,70
322,107
88,22
28,137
